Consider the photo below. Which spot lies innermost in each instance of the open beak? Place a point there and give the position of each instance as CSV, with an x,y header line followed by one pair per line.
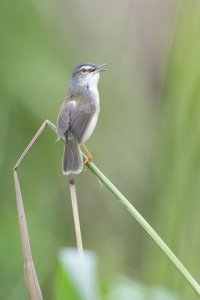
x,y
100,68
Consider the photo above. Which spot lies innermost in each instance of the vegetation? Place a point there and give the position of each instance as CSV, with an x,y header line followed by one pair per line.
x,y
146,141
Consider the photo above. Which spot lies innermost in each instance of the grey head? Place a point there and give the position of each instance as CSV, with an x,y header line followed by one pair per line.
x,y
86,75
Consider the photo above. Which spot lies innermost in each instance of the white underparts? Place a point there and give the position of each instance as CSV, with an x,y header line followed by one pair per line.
x,y
91,126
93,88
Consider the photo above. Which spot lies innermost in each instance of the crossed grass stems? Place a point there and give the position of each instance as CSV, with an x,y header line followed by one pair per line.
x,y
30,275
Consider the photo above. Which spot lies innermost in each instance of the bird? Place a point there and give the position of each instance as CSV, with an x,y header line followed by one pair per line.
x,y
78,115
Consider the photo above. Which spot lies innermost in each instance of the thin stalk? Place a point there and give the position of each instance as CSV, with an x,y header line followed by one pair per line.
x,y
122,199
76,214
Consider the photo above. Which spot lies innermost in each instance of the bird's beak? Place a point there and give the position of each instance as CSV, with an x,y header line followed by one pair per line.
x,y
100,68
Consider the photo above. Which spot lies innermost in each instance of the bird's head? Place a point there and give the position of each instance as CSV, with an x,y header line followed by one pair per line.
x,y
87,75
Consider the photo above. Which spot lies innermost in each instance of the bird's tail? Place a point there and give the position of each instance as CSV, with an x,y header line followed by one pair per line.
x,y
72,157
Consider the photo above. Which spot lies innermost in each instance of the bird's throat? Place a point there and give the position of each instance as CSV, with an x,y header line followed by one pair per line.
x,y
92,84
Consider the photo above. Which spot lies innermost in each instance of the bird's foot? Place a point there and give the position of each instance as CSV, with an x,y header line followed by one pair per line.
x,y
88,159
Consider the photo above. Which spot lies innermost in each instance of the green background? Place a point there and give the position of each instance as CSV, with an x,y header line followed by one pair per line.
x,y
147,140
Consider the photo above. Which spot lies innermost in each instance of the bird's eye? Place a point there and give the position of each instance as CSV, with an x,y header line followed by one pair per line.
x,y
83,70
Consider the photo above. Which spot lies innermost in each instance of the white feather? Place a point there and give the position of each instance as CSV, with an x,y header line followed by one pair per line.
x,y
93,88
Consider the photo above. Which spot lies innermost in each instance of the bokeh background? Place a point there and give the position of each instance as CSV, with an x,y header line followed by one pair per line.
x,y
147,140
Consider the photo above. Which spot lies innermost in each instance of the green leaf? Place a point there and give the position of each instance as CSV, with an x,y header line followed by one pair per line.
x,y
77,276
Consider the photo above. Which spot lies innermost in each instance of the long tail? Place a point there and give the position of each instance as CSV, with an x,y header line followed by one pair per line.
x,y
72,157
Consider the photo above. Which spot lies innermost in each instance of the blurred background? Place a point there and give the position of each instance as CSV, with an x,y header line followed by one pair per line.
x,y
146,141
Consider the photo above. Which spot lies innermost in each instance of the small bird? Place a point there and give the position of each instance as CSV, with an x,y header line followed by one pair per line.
x,y
78,115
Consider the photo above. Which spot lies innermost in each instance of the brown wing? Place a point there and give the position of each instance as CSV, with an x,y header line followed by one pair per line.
x,y
80,117
63,119
75,116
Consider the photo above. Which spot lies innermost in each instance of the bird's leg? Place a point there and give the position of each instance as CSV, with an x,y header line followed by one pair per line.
x,y
89,155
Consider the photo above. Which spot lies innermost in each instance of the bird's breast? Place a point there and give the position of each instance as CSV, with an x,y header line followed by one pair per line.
x,y
91,126
94,119
95,95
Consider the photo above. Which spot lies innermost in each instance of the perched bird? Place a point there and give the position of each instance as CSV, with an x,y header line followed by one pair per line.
x,y
78,115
